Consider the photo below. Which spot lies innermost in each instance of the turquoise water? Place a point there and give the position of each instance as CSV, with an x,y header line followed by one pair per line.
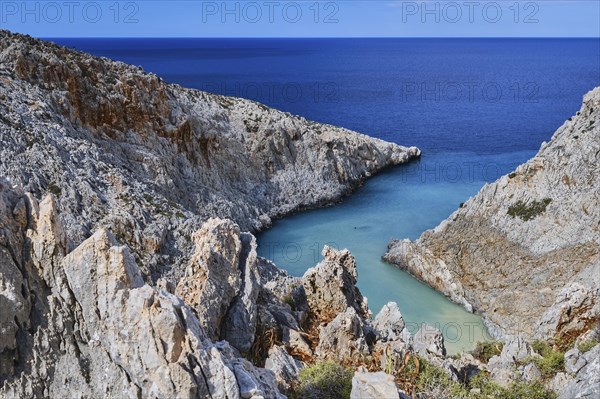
x,y
398,203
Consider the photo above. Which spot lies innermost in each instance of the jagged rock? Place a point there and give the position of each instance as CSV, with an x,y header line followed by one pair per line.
x,y
330,286
239,327
525,251
103,320
285,367
429,340
574,361
502,368
296,344
343,337
373,386
389,323
586,383
213,277
515,348
531,373
559,382
275,281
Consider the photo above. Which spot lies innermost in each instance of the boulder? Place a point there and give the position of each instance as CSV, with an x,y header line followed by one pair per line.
x,y
373,386
531,373
574,361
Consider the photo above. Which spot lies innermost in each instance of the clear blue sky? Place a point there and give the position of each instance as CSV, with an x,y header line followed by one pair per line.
x,y
312,18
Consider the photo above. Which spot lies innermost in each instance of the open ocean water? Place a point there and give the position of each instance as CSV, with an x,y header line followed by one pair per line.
x,y
477,108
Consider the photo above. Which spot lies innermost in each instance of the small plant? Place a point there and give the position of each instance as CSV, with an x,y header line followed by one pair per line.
x,y
423,380
587,346
529,211
483,387
484,351
512,175
288,299
324,380
54,189
551,361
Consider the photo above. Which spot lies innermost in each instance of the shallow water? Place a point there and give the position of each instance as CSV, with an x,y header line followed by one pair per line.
x,y
398,203
476,107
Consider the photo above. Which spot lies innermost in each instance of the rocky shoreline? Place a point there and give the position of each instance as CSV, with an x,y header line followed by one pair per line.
x,y
122,148
128,267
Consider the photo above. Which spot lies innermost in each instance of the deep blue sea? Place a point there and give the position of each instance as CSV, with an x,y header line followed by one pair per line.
x,y
477,108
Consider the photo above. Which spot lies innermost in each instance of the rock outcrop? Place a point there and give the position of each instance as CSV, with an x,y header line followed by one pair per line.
x,y
525,251
96,328
330,287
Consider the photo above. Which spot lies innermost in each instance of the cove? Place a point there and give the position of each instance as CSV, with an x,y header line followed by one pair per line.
x,y
398,203
476,108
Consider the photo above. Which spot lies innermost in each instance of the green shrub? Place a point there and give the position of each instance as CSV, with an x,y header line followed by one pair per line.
x,y
288,299
482,387
324,380
54,189
528,212
484,351
551,361
586,346
433,382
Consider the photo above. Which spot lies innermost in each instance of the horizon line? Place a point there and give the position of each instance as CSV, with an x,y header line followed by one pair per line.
x,y
315,37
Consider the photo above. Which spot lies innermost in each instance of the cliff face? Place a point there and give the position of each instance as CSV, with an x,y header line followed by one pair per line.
x,y
525,251
122,149
109,176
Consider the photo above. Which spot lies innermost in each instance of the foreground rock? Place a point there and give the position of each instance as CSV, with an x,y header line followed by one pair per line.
x,y
373,386
96,317
525,251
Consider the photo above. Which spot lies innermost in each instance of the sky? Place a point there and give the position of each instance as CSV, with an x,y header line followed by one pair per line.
x,y
309,18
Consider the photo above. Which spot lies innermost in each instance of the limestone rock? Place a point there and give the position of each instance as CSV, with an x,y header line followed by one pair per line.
x,y
429,340
574,361
239,327
373,386
343,337
525,251
213,277
153,161
531,373
586,383
330,286
285,367
503,367
389,323
122,262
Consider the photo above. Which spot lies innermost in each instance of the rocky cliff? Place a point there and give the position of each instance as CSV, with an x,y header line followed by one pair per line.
x,y
120,148
117,276
525,251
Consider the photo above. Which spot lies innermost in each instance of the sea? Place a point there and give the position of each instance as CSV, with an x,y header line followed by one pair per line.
x,y
477,108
